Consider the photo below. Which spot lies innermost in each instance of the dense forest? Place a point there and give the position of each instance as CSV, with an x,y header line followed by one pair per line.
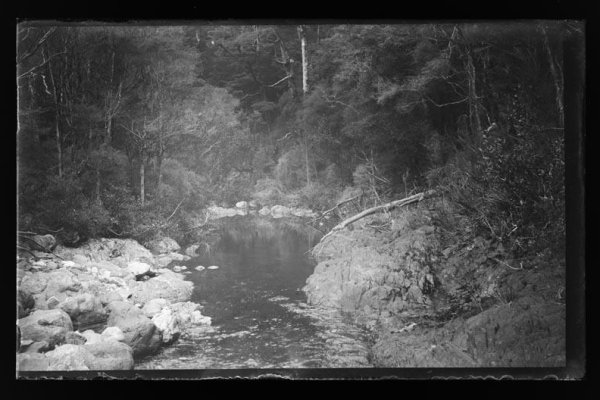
x,y
128,131
397,194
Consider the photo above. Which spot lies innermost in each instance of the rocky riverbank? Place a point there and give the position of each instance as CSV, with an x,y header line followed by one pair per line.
x,y
438,301
100,306
244,208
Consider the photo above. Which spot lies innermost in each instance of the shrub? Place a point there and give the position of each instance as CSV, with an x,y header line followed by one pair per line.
x,y
290,170
268,191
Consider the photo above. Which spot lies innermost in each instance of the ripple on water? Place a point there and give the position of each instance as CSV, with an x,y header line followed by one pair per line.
x,y
259,315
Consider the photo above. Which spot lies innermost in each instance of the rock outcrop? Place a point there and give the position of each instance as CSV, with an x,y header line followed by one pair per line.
x,y
163,245
168,285
50,326
85,310
93,289
139,331
372,279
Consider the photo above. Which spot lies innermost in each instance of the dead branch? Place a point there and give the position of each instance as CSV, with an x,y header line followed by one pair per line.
x,y
386,207
281,80
341,203
28,251
176,208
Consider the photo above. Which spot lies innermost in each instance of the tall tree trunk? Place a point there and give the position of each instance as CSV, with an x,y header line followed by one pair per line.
x,y
158,172
57,120
555,76
304,60
306,158
304,93
473,99
142,180
108,137
59,146
98,200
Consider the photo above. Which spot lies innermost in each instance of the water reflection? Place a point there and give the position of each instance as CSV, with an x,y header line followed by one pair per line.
x,y
259,316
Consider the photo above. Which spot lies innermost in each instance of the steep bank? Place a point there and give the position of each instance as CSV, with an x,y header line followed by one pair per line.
x,y
437,300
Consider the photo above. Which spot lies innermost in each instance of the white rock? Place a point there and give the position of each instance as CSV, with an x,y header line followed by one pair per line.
x,y
138,268
93,337
199,268
167,324
265,211
114,332
154,306
68,264
241,204
213,267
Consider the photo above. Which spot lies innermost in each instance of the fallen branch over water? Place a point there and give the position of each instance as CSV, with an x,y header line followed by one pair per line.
x,y
385,207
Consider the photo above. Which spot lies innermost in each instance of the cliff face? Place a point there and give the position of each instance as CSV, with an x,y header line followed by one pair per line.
x,y
434,300
374,275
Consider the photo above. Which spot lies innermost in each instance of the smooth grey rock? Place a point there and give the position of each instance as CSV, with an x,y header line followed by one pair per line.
x,y
140,332
46,325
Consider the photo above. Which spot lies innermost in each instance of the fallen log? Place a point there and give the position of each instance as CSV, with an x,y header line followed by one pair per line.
x,y
385,207
341,203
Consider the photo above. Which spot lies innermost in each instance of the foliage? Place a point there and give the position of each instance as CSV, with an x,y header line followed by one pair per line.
x,y
121,126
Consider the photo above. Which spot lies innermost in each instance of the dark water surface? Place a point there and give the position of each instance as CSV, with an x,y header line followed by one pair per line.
x,y
259,315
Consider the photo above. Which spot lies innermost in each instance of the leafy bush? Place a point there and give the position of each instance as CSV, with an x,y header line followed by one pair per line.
x,y
317,196
268,191
290,170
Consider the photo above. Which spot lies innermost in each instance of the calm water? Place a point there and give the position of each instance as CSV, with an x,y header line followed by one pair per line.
x,y
259,315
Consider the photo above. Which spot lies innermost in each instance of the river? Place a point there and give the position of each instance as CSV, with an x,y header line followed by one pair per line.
x,y
259,315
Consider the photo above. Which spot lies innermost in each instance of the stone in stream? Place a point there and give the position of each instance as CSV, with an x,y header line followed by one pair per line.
x,y
199,268
213,267
241,204
139,331
265,211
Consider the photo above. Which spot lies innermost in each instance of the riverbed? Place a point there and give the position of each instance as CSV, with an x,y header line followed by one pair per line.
x,y
260,318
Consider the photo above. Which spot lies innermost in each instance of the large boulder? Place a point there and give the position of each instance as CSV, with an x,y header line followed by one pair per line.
x,y
139,331
216,212
168,324
163,260
46,325
169,285
85,310
69,357
367,279
109,355
138,269
105,355
280,211
114,333
116,251
32,362
241,204
154,306
174,318
302,212
25,303
189,313
192,250
34,284
44,242
163,245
